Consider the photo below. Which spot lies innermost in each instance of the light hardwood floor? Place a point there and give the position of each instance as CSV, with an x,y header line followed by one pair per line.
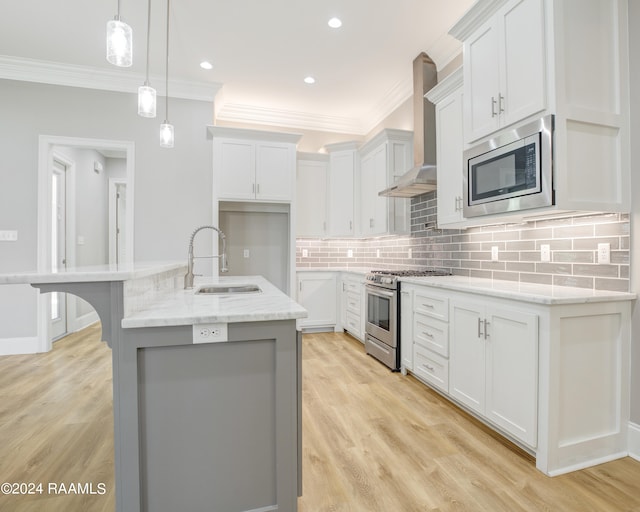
x,y
374,441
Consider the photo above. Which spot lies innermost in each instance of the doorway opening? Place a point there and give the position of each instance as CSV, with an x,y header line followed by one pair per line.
x,y
85,218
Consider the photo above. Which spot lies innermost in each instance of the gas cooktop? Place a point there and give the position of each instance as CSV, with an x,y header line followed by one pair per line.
x,y
389,278
411,273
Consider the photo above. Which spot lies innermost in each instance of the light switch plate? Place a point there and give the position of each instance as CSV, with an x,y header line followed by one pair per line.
x,y
305,253
8,236
210,333
494,253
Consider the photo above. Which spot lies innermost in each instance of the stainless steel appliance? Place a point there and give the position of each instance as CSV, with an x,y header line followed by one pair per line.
x,y
382,325
511,172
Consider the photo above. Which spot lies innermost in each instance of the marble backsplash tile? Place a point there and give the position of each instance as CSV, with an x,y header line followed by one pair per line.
x,y
573,242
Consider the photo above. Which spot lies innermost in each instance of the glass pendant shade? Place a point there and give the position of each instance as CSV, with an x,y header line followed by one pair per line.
x,y
146,101
119,43
166,135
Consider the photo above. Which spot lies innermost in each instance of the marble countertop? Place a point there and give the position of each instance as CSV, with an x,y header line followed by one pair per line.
x,y
185,307
526,292
354,270
94,273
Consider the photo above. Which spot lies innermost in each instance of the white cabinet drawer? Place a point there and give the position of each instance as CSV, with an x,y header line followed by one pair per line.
x,y
431,368
353,324
431,304
353,287
431,333
353,302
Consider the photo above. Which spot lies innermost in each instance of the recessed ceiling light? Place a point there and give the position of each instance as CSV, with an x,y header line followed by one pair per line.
x,y
309,80
205,64
335,22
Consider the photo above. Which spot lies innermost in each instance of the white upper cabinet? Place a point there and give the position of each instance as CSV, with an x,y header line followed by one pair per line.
x,y
343,162
448,98
504,68
311,194
524,59
252,165
384,158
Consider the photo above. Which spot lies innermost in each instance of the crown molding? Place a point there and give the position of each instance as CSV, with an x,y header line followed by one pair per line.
x,y
278,117
477,14
390,102
445,86
249,134
47,72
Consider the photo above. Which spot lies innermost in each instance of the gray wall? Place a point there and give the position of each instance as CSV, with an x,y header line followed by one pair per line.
x,y
634,62
172,186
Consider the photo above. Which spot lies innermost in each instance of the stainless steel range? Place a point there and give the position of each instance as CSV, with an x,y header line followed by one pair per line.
x,y
382,326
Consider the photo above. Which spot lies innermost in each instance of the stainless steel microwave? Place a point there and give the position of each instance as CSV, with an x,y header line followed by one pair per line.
x,y
511,172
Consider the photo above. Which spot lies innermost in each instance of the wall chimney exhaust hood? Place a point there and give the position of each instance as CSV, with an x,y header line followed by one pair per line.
x,y
422,177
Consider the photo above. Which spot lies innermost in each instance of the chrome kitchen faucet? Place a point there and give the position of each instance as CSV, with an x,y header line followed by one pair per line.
x,y
188,277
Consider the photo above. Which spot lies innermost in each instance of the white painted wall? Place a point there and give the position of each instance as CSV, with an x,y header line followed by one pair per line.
x,y
634,71
172,186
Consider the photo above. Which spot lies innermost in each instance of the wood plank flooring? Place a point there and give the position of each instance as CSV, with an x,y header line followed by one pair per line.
x,y
374,441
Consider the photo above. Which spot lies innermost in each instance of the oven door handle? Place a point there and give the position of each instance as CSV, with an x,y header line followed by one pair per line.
x,y
381,293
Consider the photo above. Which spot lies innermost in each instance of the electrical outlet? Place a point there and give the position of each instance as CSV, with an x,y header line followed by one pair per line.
x,y
8,236
245,253
350,253
210,333
545,252
377,253
409,253
604,254
305,253
494,253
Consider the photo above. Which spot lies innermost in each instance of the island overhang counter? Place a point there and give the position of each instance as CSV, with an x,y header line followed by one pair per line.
x,y
206,388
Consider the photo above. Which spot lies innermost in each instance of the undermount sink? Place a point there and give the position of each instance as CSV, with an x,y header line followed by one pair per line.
x,y
228,289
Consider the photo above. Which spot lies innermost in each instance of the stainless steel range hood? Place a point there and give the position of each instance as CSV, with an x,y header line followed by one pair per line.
x,y
422,177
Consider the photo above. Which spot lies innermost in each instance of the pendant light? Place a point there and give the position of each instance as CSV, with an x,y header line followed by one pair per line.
x,y
146,93
166,129
119,42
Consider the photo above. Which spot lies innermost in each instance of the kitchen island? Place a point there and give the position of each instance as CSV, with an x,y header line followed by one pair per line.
x,y
206,388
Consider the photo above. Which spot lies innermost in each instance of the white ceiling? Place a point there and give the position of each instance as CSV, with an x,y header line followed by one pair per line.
x,y
260,49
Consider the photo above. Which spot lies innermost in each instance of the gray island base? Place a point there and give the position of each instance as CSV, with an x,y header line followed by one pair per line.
x,y
201,426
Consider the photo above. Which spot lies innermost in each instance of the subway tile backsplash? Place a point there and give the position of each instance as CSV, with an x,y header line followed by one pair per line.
x,y
573,243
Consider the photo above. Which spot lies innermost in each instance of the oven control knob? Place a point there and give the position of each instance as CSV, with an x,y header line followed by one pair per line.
x,y
387,280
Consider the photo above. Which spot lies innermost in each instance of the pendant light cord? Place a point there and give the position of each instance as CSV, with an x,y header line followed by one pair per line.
x,y
166,81
146,81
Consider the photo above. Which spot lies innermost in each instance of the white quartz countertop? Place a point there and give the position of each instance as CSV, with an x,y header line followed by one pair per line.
x,y
185,307
95,273
526,292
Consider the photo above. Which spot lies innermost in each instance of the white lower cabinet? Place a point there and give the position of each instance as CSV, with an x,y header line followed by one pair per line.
x,y
494,365
550,372
424,335
352,302
317,294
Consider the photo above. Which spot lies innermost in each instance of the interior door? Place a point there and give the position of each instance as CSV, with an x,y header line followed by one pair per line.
x,y
58,312
121,214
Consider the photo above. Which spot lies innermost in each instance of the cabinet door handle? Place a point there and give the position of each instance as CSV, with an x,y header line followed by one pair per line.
x,y
493,106
371,221
350,225
258,189
486,331
253,188
480,334
300,285
428,334
429,368
428,306
324,226
500,103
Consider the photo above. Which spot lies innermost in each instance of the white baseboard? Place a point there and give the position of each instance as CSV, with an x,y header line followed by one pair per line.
x,y
15,346
634,441
85,321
